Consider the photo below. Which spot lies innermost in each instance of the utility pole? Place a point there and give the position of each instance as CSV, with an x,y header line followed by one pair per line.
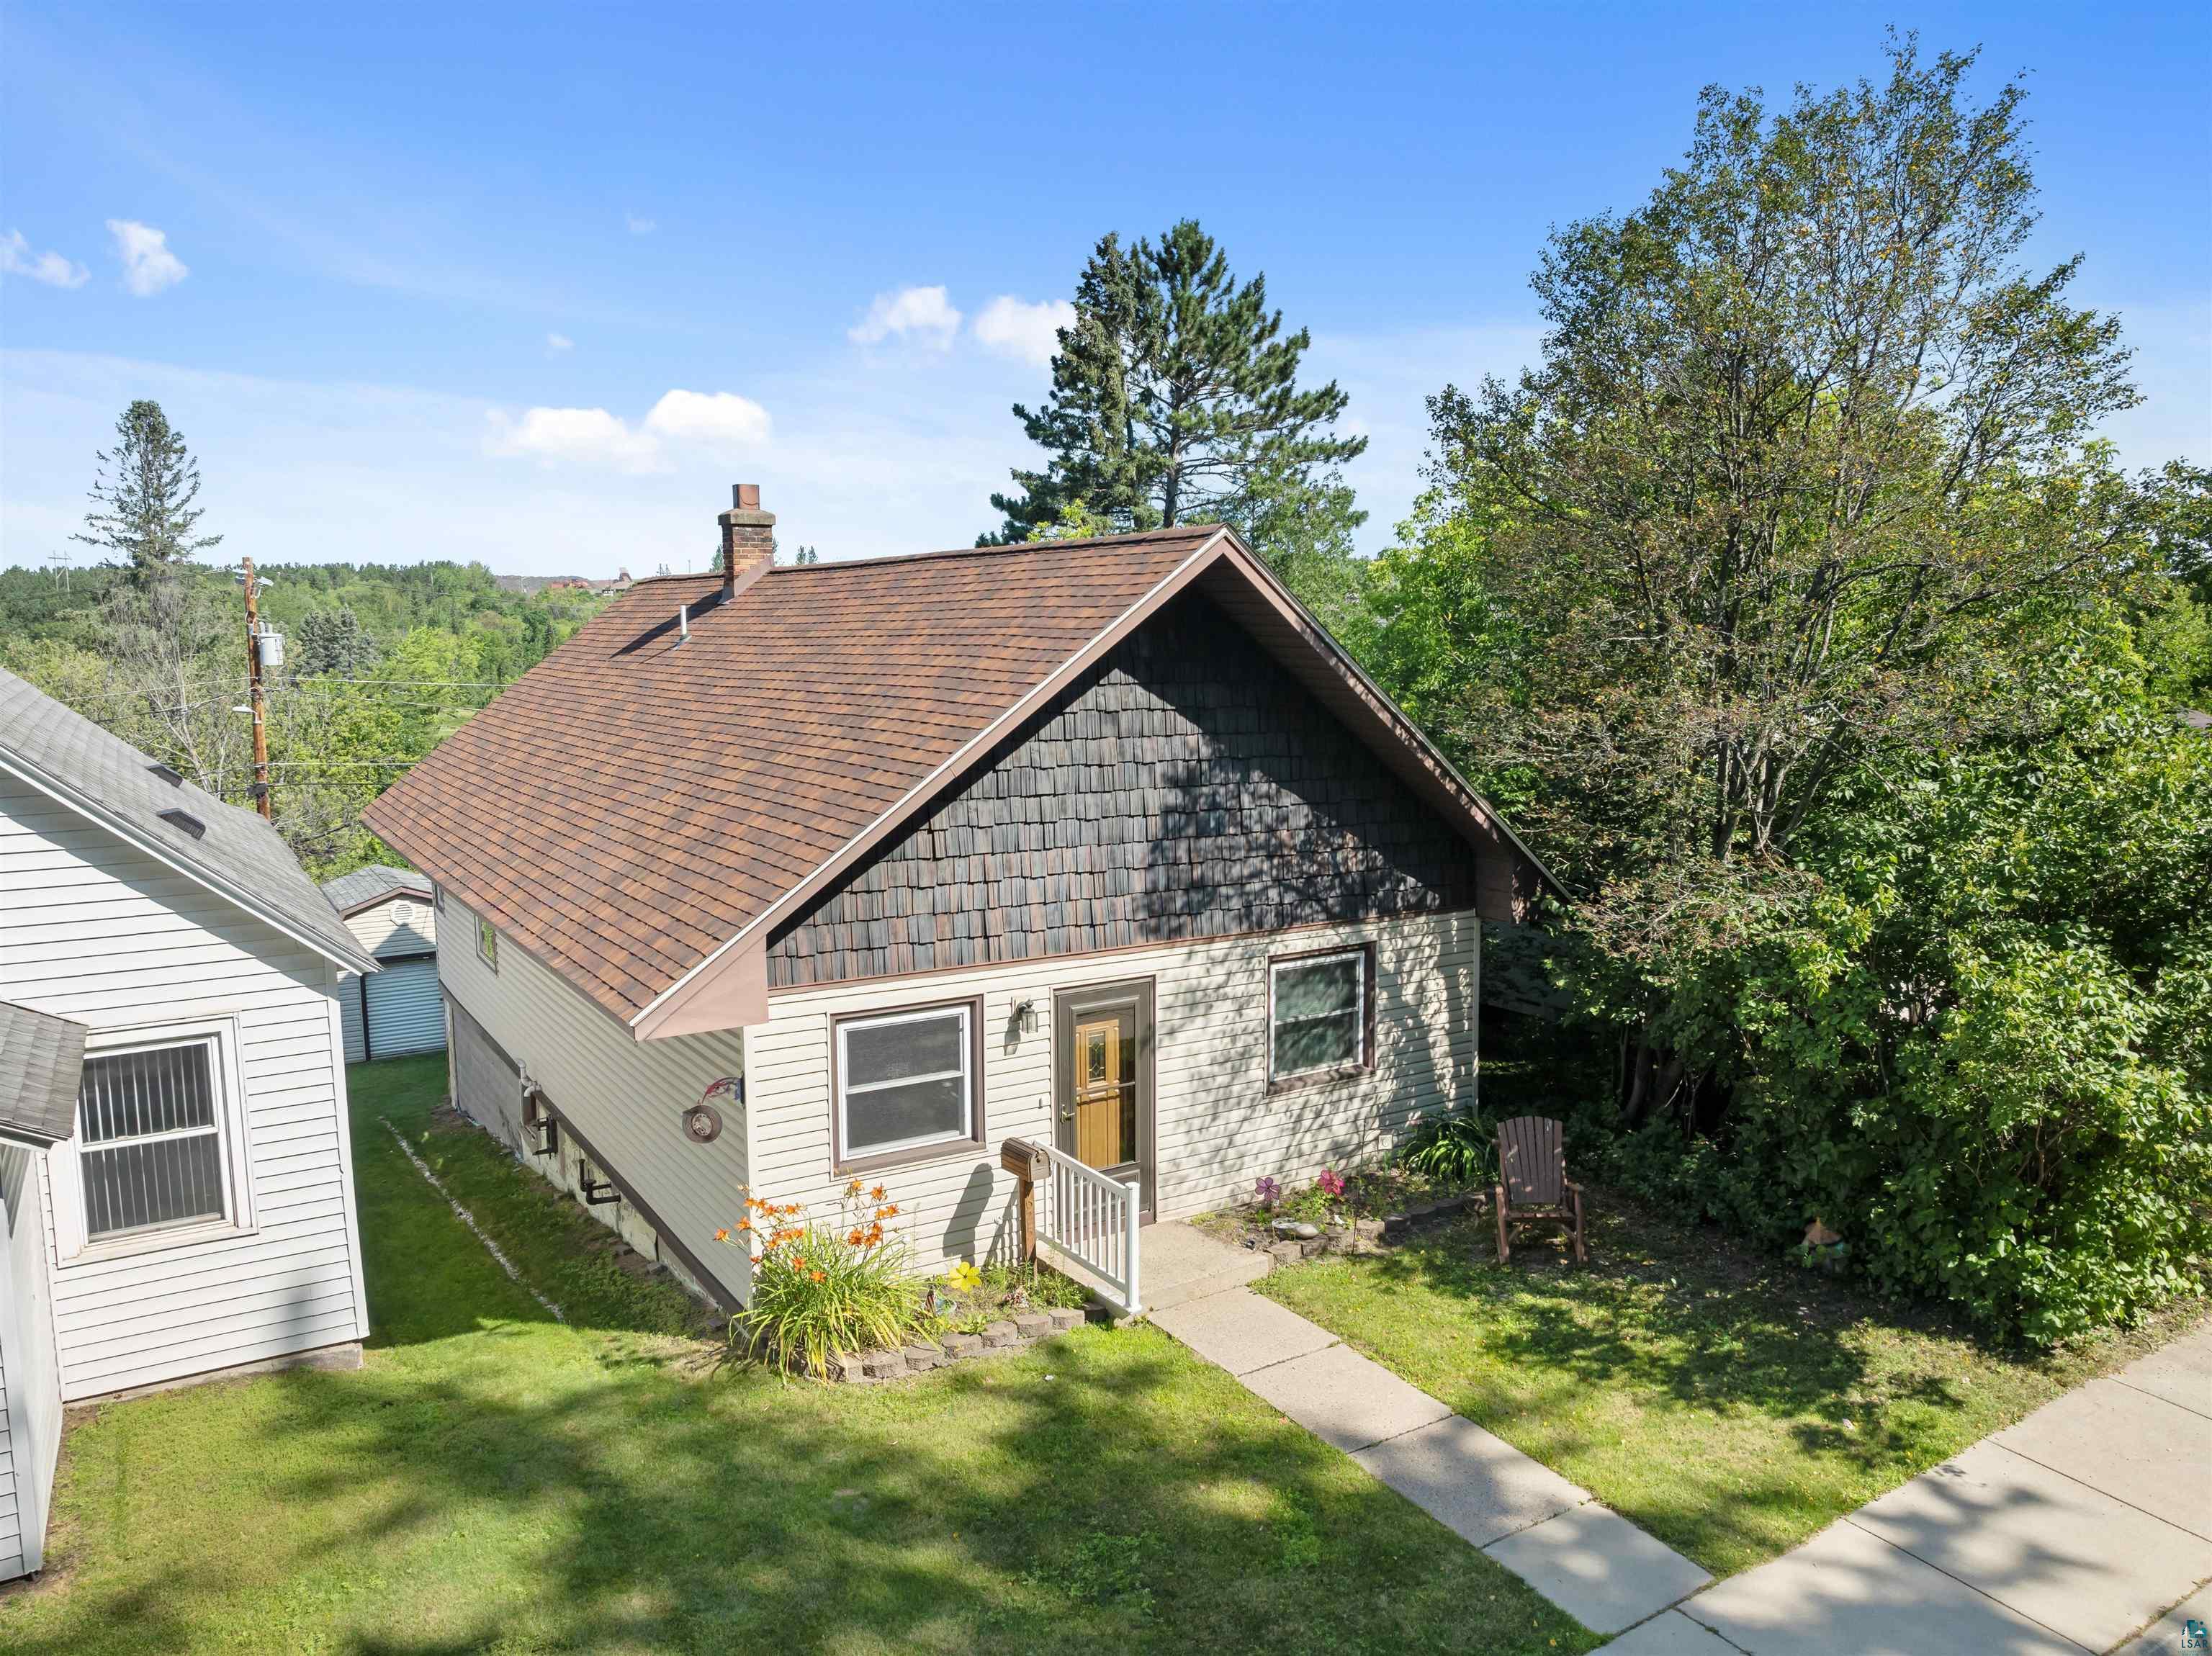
x,y
253,686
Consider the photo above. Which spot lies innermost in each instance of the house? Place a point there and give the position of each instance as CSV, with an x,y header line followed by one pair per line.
x,y
176,1184
396,1009
1099,844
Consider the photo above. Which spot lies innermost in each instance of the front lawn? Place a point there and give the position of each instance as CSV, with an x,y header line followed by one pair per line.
x,y
494,1481
1731,1405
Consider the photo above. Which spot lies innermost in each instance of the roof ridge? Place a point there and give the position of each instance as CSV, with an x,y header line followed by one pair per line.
x,y
1132,538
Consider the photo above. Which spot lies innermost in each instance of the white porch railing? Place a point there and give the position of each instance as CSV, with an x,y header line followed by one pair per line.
x,y
1092,1220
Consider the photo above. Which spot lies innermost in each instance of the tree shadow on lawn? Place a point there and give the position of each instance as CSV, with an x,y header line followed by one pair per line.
x,y
1728,1404
1102,1487
493,1480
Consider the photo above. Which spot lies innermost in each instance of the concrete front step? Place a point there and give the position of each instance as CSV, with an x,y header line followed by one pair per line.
x,y
1177,1264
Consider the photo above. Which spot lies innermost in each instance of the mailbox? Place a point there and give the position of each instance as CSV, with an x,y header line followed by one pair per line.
x,y
1024,1160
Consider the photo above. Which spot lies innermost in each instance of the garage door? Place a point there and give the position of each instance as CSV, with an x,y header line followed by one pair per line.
x,y
404,1012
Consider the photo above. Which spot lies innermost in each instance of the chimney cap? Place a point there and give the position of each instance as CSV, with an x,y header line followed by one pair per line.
x,y
744,497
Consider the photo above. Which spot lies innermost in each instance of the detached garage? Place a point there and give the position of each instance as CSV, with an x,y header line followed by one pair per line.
x,y
398,1011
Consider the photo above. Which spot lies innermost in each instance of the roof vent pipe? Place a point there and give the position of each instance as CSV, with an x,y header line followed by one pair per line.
x,y
747,540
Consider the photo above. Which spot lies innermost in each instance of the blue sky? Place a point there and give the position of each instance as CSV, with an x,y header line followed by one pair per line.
x,y
534,286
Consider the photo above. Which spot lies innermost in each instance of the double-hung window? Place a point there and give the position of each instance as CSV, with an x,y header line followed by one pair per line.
x,y
1318,1013
155,1142
906,1083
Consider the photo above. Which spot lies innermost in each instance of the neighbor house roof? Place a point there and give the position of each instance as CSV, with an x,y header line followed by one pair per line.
x,y
230,851
350,893
41,1058
639,810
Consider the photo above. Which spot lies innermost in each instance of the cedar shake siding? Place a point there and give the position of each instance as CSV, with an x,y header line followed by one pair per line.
x,y
1186,787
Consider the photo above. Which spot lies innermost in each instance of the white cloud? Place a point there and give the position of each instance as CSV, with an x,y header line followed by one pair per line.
x,y
594,437
639,226
559,341
722,417
578,436
924,312
48,267
148,266
1016,328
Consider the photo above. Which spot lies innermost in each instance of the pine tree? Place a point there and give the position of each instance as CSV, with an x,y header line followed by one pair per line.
x,y
1174,400
143,513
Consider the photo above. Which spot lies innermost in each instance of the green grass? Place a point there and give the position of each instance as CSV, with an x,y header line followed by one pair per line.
x,y
1730,1406
493,1480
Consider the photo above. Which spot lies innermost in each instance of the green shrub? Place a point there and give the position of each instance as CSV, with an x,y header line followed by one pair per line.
x,y
820,1290
1456,1148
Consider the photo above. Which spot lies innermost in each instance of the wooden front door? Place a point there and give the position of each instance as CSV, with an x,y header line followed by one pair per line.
x,y
1103,1104
1103,1080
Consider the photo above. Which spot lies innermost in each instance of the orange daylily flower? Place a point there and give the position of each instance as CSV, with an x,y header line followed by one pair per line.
x,y
723,1236
853,1238
852,1189
889,1210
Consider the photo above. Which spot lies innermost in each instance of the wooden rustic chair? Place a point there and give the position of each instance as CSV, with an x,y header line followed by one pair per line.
x,y
1534,1187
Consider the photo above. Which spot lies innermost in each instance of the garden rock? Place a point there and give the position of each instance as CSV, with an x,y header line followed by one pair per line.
x,y
1288,1254
961,1345
1297,1228
883,1365
999,1334
923,1358
1066,1317
1031,1324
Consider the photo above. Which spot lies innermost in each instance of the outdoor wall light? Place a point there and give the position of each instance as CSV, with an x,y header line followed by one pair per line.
x,y
1025,1017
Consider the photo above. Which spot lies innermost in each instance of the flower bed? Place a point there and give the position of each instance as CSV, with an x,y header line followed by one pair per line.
x,y
1356,1210
836,1301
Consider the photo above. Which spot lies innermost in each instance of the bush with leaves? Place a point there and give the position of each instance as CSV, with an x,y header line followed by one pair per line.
x,y
823,1290
1978,1042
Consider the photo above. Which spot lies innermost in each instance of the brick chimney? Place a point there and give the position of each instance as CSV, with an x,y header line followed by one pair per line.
x,y
747,540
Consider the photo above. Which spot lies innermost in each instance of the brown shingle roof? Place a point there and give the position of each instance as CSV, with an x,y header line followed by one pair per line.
x,y
634,802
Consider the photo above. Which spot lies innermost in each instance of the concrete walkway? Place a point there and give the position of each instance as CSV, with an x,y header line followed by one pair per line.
x,y
1593,1563
2086,1527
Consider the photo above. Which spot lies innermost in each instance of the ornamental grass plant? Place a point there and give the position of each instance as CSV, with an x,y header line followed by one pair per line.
x,y
823,1290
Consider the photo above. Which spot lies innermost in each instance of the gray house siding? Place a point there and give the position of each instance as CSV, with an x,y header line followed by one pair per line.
x,y
30,1398
1186,788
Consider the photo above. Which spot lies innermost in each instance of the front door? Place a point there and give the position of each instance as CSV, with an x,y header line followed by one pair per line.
x,y
1104,1102
1105,1079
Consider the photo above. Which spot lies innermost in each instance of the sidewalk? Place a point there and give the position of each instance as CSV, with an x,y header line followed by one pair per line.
x,y
2076,1529
1592,1562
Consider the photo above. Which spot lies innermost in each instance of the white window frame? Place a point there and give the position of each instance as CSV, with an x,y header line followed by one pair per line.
x,y
72,1242
1362,1058
968,1132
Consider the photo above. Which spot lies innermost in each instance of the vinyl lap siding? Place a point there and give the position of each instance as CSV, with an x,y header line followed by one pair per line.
x,y
30,1403
95,931
1218,1126
627,1097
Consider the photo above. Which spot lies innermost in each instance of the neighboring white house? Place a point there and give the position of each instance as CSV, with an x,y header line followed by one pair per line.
x,y
395,1010
176,1180
1103,845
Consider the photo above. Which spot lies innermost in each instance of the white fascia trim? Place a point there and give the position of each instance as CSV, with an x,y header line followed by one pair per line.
x,y
981,740
123,829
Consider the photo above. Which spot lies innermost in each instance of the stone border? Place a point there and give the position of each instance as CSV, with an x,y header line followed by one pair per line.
x,y
1013,1333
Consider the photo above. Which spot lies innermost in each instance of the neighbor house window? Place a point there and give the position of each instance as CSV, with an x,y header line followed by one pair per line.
x,y
487,943
150,1127
906,1081
1317,1013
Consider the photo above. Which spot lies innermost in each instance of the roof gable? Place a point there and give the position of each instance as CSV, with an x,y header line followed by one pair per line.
x,y
231,851
642,807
